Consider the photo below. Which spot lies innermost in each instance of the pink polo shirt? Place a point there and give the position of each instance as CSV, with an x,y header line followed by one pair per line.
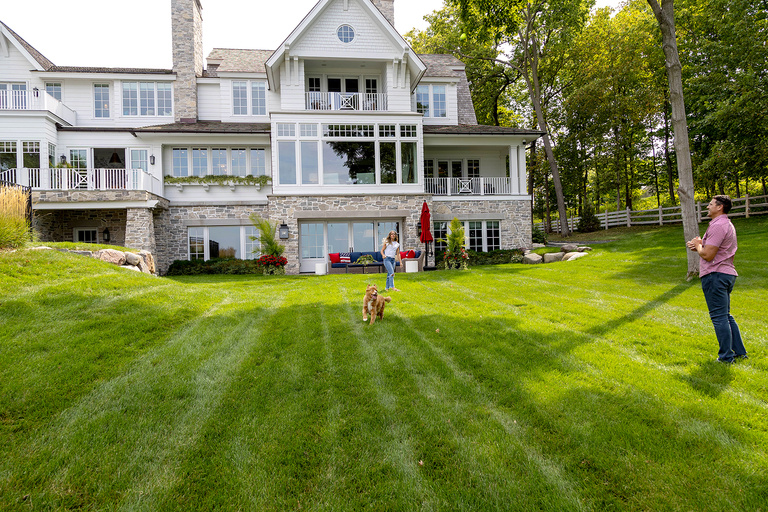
x,y
722,234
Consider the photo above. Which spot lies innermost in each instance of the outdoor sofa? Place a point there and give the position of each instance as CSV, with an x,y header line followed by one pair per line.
x,y
336,266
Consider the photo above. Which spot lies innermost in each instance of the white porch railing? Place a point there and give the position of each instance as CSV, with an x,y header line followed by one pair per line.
x,y
346,101
68,179
36,100
469,186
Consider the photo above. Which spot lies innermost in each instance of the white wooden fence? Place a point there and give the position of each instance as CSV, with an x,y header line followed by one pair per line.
x,y
742,207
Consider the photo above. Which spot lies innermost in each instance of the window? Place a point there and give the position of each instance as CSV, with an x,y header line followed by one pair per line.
x,y
51,155
240,98
429,169
439,232
345,33
311,240
31,156
388,161
482,235
313,84
239,162
408,162
431,100
286,162
408,130
147,99
199,161
7,155
258,98
387,130
308,130
349,163
492,235
310,173
258,162
249,98
286,130
139,159
86,235
473,168
54,89
101,100
180,162
206,242
219,161
475,236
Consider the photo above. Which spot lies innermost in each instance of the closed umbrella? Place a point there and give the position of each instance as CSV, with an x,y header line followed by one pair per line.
x,y
426,233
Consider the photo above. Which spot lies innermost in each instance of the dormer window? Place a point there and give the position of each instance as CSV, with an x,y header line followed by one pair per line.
x,y
346,33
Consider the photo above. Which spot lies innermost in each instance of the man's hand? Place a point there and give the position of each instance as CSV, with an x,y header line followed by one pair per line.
x,y
694,243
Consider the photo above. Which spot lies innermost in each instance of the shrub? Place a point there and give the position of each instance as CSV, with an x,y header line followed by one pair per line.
x,y
14,226
496,257
539,236
455,256
214,266
588,221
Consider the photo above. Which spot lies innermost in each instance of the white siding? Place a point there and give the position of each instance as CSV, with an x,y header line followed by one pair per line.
x,y
209,102
370,41
15,67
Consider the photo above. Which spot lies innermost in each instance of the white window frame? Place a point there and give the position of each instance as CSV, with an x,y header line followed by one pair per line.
x,y
54,87
484,228
431,95
250,165
249,105
77,231
246,244
154,98
107,104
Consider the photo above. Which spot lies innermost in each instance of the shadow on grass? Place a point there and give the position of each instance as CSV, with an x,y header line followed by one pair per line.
x,y
710,378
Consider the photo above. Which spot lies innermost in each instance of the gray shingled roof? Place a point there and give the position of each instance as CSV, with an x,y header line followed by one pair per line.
x,y
39,57
208,127
441,65
85,69
239,61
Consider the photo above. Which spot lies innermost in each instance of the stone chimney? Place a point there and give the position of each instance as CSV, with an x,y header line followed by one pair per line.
x,y
387,8
187,35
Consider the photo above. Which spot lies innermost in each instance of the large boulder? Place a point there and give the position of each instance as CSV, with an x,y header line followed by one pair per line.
x,y
111,256
143,266
537,246
569,248
584,248
132,258
577,255
149,260
532,258
131,267
552,257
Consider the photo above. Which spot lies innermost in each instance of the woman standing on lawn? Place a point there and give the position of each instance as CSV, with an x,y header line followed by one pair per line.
x,y
390,251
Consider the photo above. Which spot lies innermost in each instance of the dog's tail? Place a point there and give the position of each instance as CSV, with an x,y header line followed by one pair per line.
x,y
387,299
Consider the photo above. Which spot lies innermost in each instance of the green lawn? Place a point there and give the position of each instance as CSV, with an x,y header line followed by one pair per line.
x,y
584,385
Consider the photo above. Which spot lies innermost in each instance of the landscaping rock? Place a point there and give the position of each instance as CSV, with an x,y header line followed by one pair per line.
x,y
143,267
532,258
584,248
577,255
41,248
111,256
537,246
552,257
131,267
88,254
569,255
132,258
149,260
569,248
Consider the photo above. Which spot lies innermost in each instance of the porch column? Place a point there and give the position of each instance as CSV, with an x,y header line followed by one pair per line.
x,y
514,170
523,175
140,229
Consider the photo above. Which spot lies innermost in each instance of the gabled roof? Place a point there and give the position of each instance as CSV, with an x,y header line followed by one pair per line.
x,y
278,57
43,64
442,65
229,60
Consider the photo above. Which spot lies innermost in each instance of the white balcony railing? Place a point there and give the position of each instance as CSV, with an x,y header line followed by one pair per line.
x,y
67,179
470,186
346,101
36,100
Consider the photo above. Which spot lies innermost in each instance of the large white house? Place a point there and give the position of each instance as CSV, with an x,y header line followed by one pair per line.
x,y
340,134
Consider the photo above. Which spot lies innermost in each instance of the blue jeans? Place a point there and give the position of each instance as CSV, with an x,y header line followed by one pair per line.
x,y
717,292
389,264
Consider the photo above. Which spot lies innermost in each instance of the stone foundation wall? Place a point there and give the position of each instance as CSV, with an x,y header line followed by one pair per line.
x,y
515,217
171,227
59,225
140,229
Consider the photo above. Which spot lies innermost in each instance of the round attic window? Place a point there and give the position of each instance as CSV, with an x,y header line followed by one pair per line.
x,y
346,33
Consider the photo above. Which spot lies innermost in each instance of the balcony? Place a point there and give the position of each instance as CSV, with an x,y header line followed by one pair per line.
x,y
67,179
343,101
470,186
36,100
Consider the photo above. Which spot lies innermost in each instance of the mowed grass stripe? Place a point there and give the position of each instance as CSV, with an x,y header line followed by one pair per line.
x,y
131,430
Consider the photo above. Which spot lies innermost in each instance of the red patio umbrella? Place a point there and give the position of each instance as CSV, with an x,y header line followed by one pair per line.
x,y
426,233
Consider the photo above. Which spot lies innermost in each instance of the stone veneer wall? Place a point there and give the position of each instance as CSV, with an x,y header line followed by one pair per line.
x,y
515,217
140,229
187,35
323,208
171,227
59,225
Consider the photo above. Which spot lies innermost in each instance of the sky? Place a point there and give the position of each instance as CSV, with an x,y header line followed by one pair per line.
x,y
138,33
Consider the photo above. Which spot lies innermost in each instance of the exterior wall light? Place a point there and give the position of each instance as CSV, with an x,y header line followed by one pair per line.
x,y
105,235
284,231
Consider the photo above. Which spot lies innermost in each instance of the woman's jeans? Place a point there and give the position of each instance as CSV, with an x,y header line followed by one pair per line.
x,y
389,264
717,292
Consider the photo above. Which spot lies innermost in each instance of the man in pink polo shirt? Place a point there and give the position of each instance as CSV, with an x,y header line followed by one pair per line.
x,y
718,275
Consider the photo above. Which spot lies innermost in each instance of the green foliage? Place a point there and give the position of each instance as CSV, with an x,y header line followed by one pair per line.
x,y
267,232
219,180
588,221
14,225
455,255
538,236
496,257
214,266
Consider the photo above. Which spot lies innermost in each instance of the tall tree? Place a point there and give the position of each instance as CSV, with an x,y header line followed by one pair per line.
x,y
538,34
665,15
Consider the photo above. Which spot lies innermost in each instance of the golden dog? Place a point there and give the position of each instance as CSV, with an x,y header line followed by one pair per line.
x,y
373,304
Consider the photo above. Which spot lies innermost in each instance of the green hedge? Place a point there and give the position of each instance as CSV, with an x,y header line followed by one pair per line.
x,y
214,266
496,257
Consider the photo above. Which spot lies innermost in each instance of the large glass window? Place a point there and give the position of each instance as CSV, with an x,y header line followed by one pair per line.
x,y
363,238
196,243
286,164
101,100
249,98
199,161
349,163
207,242
7,155
224,242
147,99
309,163
258,162
219,161
252,244
31,157
431,100
408,160
338,237
388,160
239,162
311,240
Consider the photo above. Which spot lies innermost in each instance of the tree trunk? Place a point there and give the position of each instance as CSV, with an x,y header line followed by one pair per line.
x,y
655,173
765,191
667,157
665,15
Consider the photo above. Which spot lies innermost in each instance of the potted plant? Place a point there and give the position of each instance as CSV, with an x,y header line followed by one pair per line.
x,y
272,260
455,255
